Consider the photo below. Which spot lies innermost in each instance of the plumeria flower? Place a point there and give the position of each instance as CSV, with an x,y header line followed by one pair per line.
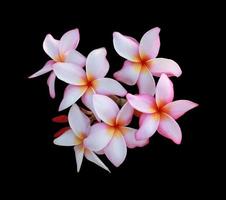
x,y
75,136
60,51
112,136
85,84
160,112
141,63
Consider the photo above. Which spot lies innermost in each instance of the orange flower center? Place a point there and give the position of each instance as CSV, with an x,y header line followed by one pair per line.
x,y
60,58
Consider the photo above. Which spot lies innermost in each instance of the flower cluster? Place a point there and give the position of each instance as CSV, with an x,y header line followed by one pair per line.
x,y
103,126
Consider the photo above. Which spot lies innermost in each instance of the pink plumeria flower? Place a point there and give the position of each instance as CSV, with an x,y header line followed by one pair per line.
x,y
160,112
112,136
141,63
85,84
75,136
62,51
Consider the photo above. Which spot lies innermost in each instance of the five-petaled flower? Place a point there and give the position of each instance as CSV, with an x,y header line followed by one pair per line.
x,y
112,136
75,136
85,84
60,51
141,63
160,112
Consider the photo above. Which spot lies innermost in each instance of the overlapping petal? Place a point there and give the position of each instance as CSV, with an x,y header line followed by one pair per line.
x,y
50,46
67,139
125,115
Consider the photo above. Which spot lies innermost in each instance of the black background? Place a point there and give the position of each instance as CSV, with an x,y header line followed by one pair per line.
x,y
186,32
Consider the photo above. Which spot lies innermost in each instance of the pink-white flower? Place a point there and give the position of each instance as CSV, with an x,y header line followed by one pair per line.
x,y
112,136
85,84
160,112
141,63
60,51
75,136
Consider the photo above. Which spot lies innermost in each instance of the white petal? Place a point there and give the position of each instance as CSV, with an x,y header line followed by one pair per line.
x,y
99,137
75,57
125,115
50,46
71,94
93,158
97,65
51,84
78,121
105,108
70,73
47,68
68,138
69,41
79,154
116,149
108,86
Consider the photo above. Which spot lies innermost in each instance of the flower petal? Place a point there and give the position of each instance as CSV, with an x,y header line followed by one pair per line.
x,y
69,41
60,119
61,132
143,103
125,115
47,68
159,66
67,139
169,128
131,141
97,65
50,46
93,158
164,91
116,149
148,127
146,82
126,47
78,121
105,108
108,86
99,137
178,108
129,73
79,154
75,57
70,73
71,94
51,84
150,44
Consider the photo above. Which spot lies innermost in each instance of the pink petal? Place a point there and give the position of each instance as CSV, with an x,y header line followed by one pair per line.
x,y
148,127
93,158
70,73
50,46
69,41
99,137
71,94
146,82
47,68
131,141
75,57
159,66
150,44
143,103
178,108
67,139
116,149
79,154
87,100
78,121
97,65
169,128
125,115
129,73
51,84
105,108
126,47
164,91
108,86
